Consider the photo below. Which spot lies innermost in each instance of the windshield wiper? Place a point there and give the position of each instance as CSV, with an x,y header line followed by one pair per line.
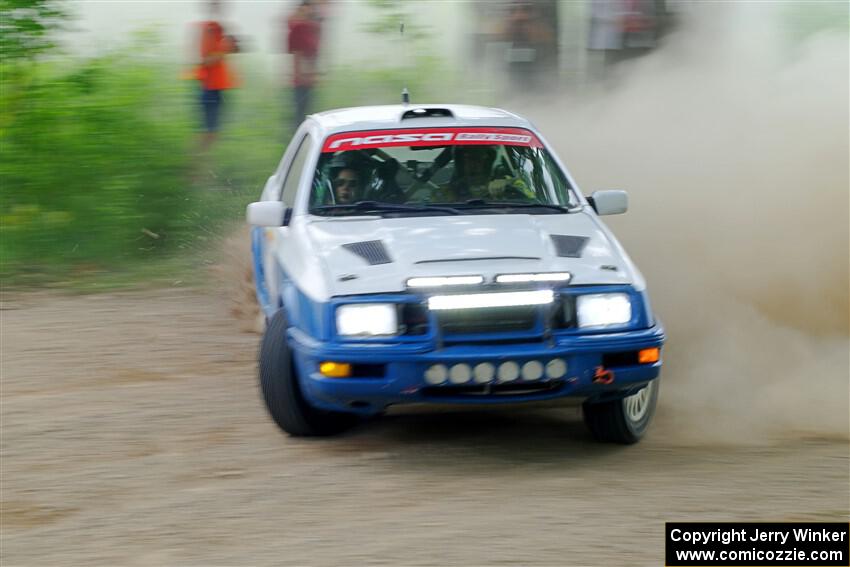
x,y
481,203
386,207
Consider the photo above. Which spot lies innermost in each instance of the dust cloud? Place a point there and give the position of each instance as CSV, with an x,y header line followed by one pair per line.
x,y
734,148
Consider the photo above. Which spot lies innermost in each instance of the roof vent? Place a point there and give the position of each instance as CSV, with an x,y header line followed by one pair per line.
x,y
372,251
427,113
569,246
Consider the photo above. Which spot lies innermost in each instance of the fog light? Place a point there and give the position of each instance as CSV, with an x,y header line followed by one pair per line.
x,y
532,370
484,372
335,369
460,374
556,368
508,371
649,355
436,374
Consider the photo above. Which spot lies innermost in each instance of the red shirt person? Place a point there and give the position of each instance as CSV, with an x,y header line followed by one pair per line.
x,y
303,39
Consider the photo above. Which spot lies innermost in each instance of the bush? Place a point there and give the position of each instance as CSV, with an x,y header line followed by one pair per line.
x,y
93,169
97,170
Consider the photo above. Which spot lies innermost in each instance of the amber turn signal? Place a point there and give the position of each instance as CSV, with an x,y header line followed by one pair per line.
x,y
649,355
335,369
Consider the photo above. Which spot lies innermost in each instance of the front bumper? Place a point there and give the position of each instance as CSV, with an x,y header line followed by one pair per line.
x,y
402,380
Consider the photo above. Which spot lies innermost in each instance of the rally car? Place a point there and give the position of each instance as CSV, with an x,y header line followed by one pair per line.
x,y
443,254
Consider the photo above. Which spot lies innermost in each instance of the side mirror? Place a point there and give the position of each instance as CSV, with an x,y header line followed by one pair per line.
x,y
268,213
612,202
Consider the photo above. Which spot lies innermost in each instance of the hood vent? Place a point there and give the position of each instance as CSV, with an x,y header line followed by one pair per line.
x,y
372,251
569,246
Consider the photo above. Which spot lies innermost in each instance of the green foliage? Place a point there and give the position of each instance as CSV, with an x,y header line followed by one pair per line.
x,y
25,27
802,20
390,15
93,165
99,173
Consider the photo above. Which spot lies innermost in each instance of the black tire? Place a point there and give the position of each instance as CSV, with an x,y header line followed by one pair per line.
x,y
612,422
282,393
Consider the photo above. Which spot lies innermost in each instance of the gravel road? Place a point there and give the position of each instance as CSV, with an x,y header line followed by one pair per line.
x,y
133,434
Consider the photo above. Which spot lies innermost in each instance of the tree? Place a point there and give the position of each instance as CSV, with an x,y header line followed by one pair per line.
x,y
26,28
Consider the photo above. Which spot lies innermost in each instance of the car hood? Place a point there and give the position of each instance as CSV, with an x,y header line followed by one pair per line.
x,y
487,244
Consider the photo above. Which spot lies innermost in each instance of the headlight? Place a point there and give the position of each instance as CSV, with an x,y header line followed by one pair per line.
x,y
367,319
603,309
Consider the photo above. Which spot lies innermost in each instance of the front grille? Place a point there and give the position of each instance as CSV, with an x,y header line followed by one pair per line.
x,y
488,320
565,313
414,319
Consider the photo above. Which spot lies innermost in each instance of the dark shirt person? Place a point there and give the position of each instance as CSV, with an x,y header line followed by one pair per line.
x,y
530,38
304,33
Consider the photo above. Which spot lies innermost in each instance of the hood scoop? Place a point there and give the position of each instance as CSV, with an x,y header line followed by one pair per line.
x,y
569,246
373,251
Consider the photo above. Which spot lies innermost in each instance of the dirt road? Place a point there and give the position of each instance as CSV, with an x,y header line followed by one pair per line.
x,y
133,434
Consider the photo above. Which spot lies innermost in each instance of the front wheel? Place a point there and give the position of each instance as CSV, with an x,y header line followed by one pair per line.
x,y
282,393
622,421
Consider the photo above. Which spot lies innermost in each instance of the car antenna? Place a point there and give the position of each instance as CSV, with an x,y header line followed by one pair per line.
x,y
405,94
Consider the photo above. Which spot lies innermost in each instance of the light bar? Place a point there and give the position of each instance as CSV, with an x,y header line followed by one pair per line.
x,y
440,281
481,300
526,278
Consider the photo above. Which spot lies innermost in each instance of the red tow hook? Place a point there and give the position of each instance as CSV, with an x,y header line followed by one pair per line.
x,y
603,375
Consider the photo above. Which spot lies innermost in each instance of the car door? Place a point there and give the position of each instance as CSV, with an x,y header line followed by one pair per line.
x,y
289,176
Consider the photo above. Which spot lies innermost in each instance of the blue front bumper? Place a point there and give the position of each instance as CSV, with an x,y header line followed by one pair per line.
x,y
404,366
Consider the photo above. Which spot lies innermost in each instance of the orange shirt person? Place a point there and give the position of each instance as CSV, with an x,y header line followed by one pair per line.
x,y
213,72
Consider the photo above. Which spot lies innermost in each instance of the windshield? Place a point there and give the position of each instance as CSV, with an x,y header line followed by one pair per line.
x,y
438,171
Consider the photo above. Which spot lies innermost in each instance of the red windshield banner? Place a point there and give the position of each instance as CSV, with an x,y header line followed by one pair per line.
x,y
430,137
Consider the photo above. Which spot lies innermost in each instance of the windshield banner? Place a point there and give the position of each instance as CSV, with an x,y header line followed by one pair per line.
x,y
430,137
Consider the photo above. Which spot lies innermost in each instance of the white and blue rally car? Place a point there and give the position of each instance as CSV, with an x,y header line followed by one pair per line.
x,y
443,254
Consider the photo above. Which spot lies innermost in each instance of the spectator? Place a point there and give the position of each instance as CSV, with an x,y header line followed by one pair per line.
x,y
531,41
303,39
213,72
622,29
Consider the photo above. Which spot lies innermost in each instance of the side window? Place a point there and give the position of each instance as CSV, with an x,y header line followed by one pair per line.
x,y
293,176
558,180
